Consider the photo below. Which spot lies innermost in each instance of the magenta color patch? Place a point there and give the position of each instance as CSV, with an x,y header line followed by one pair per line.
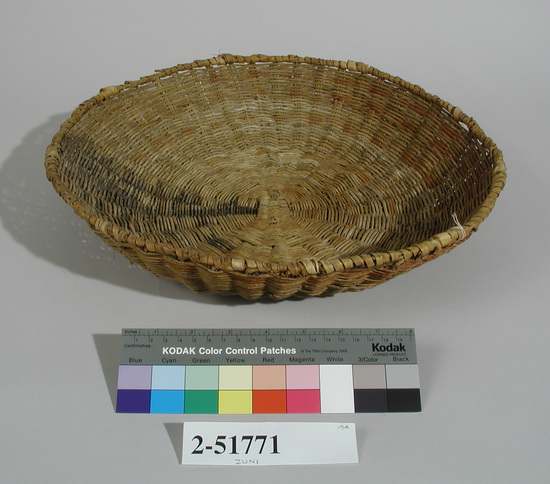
x,y
303,401
302,377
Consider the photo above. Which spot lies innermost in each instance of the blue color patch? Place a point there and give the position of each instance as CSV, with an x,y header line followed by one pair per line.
x,y
133,401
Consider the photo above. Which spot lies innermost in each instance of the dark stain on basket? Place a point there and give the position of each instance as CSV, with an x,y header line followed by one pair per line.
x,y
121,187
185,197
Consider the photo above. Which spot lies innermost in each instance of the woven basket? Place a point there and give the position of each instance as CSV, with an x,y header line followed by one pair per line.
x,y
275,176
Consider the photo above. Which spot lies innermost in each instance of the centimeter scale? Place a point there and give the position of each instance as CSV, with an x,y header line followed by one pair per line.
x,y
268,371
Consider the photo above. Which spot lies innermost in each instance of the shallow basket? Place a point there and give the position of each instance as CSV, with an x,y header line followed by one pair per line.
x,y
275,176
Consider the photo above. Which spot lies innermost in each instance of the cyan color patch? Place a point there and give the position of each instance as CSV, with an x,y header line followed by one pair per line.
x,y
168,378
167,401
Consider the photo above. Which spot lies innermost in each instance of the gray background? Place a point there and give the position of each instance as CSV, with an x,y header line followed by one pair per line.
x,y
481,312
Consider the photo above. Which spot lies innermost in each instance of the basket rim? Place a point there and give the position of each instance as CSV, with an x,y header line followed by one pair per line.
x,y
306,267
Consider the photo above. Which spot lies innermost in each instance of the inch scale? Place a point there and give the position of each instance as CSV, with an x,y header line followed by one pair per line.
x,y
347,346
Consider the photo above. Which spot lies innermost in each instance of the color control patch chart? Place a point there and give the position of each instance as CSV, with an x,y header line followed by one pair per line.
x,y
267,371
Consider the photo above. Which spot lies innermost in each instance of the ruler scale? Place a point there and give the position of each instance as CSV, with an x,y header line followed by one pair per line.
x,y
267,371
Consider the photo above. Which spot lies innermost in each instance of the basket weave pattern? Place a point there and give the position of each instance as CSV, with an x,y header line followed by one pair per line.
x,y
275,176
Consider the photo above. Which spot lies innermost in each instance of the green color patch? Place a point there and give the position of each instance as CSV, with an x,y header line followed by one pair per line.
x,y
201,401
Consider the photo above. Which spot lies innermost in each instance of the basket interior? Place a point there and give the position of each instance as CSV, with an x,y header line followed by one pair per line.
x,y
275,162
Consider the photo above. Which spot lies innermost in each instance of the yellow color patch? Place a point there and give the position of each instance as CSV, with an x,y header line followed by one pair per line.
x,y
235,402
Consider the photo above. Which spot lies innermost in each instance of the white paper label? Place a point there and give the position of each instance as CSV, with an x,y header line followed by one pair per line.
x,y
268,443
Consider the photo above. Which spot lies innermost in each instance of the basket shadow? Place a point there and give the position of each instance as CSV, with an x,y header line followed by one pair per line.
x,y
108,348
37,218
